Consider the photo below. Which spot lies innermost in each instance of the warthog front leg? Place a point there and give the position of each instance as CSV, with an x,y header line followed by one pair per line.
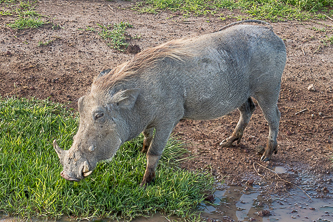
x,y
148,133
246,111
155,151
149,176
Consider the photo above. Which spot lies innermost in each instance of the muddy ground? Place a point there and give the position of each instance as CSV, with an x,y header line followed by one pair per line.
x,y
64,70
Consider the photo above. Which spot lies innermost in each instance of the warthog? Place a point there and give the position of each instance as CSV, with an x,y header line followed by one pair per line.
x,y
198,78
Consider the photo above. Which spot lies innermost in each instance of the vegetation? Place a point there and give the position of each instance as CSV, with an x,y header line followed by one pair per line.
x,y
116,35
330,39
26,16
48,42
258,9
30,182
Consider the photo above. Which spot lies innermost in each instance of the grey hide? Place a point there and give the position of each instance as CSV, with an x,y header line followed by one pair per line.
x,y
198,78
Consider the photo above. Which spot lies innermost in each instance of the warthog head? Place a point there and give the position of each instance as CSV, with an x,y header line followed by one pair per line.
x,y
101,132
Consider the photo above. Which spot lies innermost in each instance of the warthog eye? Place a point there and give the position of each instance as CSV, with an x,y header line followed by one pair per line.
x,y
98,115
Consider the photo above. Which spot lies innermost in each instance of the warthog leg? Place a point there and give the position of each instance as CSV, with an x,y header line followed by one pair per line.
x,y
268,104
149,176
148,133
246,111
155,151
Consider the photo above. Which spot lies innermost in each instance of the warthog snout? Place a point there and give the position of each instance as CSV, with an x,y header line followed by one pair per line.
x,y
69,172
65,176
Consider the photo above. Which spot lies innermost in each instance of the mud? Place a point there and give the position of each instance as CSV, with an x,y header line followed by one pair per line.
x,y
64,70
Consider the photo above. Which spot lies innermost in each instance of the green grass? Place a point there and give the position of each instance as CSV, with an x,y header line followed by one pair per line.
x,y
116,35
30,184
273,10
48,42
27,22
318,29
330,39
24,12
7,1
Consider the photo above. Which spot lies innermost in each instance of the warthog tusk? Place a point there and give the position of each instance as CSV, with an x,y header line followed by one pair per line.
x,y
87,173
85,167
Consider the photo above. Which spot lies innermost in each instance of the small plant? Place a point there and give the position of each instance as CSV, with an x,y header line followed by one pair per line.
x,y
116,35
137,36
318,29
330,39
48,42
7,1
24,23
6,12
41,43
26,16
90,29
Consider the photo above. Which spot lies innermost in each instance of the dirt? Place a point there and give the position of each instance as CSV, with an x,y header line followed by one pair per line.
x,y
64,70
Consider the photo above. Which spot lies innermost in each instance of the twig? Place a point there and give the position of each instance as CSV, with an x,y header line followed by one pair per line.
x,y
303,51
328,17
327,117
257,171
278,177
110,8
167,219
302,111
188,22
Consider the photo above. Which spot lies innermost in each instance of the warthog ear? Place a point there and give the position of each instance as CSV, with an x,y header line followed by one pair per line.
x,y
126,98
104,72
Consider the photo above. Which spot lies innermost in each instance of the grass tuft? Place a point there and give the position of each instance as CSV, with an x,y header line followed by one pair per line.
x,y
30,184
26,16
116,35
258,9
26,22
330,39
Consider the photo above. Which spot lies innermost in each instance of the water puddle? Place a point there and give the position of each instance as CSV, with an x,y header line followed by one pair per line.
x,y
280,169
237,204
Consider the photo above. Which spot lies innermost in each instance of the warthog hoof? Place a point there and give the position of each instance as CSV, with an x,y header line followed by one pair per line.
x,y
270,149
228,142
148,178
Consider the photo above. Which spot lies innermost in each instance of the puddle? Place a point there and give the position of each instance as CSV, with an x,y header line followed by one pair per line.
x,y
280,169
235,203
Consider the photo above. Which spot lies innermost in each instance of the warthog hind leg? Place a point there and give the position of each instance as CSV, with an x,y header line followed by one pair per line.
x,y
246,111
268,104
